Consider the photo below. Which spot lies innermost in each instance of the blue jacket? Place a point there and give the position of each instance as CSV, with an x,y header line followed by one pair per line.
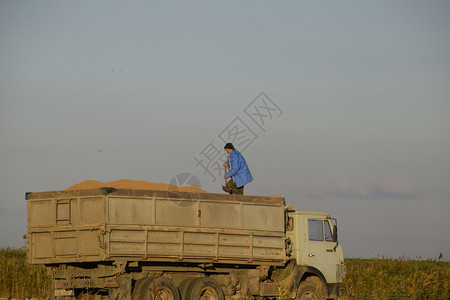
x,y
239,169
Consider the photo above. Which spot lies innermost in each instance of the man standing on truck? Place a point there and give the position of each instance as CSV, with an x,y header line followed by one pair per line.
x,y
237,170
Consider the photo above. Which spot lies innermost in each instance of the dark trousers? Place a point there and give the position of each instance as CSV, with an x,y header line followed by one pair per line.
x,y
234,189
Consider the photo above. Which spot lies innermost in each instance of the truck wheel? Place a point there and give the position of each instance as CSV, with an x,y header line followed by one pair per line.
x,y
183,287
137,288
204,288
160,288
309,290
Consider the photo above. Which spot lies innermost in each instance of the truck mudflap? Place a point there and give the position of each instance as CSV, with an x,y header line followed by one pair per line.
x,y
333,290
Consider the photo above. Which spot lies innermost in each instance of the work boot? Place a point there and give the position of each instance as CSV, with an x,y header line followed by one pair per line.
x,y
226,189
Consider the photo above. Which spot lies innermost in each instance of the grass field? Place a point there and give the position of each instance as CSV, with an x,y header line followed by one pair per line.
x,y
391,279
367,279
18,279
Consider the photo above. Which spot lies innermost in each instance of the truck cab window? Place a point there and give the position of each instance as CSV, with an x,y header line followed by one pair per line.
x,y
315,229
328,235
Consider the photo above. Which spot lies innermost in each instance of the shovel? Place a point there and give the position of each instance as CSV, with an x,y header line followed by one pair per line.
x,y
225,187
225,170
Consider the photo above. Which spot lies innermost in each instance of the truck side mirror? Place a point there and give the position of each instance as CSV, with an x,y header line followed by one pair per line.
x,y
335,233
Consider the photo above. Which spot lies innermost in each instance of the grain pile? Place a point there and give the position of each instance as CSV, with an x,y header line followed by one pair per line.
x,y
134,185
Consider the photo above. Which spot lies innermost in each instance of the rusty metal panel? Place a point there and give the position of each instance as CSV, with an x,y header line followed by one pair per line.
x,y
221,214
170,212
208,244
274,200
109,224
122,234
126,242
235,251
267,253
234,239
90,242
263,217
41,245
92,210
63,211
267,241
164,249
126,248
268,247
159,236
137,211
192,212
200,238
199,250
40,213
66,243
75,212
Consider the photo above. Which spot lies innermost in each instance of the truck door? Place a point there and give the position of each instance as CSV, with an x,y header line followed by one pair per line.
x,y
321,248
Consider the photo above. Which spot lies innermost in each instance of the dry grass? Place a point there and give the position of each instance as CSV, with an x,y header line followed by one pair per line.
x,y
367,279
397,279
18,279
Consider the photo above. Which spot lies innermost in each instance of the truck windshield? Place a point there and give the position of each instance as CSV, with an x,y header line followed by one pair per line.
x,y
320,230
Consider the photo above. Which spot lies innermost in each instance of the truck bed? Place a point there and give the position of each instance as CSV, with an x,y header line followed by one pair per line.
x,y
110,224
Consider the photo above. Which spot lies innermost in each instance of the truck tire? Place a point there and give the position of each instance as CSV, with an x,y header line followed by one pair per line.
x,y
309,290
138,288
183,287
160,288
204,288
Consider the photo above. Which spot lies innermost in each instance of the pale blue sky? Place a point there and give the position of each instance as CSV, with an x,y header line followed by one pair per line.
x,y
364,88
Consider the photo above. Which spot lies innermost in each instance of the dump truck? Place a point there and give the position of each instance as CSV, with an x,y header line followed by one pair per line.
x,y
110,243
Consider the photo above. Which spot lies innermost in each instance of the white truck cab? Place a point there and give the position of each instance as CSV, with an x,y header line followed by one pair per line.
x,y
315,246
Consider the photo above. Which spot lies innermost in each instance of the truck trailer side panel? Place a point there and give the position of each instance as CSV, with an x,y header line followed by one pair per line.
x,y
108,224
